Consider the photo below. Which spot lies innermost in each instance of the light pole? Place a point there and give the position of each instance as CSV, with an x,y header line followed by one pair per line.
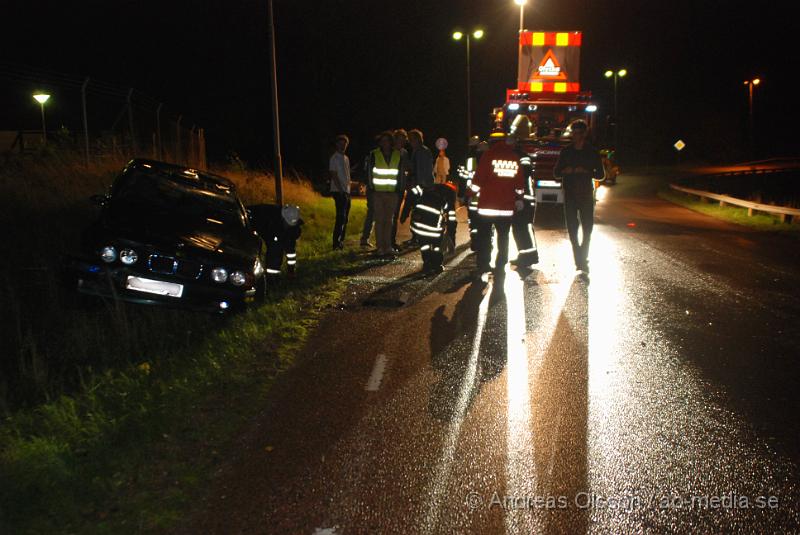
x,y
751,125
41,98
521,4
458,36
621,73
276,121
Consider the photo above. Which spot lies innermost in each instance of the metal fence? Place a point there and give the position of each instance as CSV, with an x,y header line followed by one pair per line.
x,y
96,118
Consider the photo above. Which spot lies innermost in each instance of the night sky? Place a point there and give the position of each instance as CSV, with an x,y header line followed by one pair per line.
x,y
362,66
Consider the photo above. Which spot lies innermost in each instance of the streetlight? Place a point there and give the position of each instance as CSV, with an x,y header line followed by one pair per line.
x,y
621,73
458,36
750,85
521,4
41,98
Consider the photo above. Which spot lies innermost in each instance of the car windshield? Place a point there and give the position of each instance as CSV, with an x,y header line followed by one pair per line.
x,y
550,122
153,195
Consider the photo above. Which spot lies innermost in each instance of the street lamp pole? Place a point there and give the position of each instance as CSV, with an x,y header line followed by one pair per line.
x,y
621,73
469,98
521,4
457,35
41,98
751,124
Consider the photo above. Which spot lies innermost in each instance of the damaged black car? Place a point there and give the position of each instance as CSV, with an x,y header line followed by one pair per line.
x,y
171,235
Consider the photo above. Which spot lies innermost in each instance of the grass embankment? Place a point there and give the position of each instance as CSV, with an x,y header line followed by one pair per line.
x,y
732,214
115,415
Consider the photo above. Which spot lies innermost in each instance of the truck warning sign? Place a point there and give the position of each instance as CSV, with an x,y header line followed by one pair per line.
x,y
549,62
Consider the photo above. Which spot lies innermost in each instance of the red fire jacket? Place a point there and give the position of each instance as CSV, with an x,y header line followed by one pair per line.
x,y
500,180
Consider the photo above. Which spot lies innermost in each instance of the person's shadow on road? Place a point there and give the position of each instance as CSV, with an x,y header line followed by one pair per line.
x,y
560,405
467,349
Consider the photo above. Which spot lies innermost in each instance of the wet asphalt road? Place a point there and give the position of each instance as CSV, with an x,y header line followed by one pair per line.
x,y
659,397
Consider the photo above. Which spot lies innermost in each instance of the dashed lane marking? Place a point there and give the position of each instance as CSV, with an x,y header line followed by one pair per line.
x,y
375,378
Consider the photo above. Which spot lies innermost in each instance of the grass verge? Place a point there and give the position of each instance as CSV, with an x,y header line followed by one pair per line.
x,y
126,444
732,214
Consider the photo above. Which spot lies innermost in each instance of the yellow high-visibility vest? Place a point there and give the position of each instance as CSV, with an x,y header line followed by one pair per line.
x,y
385,175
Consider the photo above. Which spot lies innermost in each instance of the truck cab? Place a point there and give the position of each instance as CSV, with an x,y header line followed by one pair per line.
x,y
552,116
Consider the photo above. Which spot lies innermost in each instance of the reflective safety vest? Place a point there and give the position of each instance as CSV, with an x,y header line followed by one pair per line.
x,y
385,175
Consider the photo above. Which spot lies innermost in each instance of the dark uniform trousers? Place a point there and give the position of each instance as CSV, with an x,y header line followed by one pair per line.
x,y
485,235
522,228
277,248
579,212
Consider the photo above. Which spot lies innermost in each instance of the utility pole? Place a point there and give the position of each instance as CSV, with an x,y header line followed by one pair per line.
x,y
85,120
130,122
276,122
178,158
160,150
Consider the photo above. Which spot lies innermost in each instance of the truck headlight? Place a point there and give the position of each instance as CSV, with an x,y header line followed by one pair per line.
x,y
128,257
108,254
219,275
238,278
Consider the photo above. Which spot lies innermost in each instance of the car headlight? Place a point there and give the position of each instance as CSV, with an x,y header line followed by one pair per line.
x,y
238,278
108,254
128,257
219,275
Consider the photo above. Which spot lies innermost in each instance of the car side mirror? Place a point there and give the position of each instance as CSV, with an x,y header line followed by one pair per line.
x,y
98,200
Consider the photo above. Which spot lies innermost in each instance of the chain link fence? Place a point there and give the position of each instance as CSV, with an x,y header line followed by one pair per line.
x,y
99,120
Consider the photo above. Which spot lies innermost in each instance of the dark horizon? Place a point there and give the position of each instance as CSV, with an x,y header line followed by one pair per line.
x,y
363,67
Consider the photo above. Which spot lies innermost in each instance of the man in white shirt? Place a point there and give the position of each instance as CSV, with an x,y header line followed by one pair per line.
x,y
339,168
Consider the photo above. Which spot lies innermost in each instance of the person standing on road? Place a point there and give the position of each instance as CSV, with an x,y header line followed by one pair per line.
x,y
400,141
421,170
339,168
385,178
431,222
500,181
578,164
522,220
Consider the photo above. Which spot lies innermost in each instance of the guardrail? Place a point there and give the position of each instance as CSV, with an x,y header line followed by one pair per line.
x,y
752,171
786,214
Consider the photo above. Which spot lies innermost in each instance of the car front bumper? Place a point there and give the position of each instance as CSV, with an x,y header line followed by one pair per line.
x,y
97,279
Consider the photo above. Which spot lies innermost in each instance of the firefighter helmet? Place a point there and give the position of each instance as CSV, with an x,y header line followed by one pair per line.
x,y
520,128
290,214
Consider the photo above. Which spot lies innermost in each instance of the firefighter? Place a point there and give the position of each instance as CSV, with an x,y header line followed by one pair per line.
x,y
522,220
433,220
279,227
500,181
471,195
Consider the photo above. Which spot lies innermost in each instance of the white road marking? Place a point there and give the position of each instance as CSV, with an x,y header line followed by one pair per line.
x,y
374,382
